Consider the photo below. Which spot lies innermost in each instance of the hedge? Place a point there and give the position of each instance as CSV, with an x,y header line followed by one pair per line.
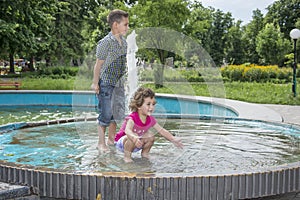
x,y
256,73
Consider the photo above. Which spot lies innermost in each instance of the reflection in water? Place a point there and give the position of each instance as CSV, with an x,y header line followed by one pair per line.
x,y
211,147
10,114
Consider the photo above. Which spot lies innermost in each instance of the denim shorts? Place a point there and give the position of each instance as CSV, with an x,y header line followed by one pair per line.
x,y
120,145
111,104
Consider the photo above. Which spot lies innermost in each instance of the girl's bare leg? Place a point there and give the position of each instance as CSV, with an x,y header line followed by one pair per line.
x,y
148,140
128,149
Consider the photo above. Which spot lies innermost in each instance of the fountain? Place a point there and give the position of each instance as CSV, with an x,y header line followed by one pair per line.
x,y
132,78
213,164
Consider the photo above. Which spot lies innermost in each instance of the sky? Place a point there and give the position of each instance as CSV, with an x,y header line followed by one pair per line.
x,y
240,9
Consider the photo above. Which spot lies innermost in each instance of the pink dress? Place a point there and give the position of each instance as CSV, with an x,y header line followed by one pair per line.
x,y
139,128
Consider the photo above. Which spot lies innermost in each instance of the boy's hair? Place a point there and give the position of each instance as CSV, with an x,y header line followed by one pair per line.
x,y
138,98
116,16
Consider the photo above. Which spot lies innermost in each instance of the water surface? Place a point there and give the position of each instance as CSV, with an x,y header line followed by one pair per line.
x,y
211,147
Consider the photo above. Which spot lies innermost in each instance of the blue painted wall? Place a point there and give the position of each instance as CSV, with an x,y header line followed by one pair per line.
x,y
170,105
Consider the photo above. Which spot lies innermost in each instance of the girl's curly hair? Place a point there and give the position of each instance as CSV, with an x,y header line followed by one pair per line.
x,y
138,98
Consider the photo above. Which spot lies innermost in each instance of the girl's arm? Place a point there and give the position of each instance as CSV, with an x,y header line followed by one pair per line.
x,y
131,135
166,134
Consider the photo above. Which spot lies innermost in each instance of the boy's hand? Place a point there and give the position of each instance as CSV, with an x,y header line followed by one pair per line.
x,y
95,87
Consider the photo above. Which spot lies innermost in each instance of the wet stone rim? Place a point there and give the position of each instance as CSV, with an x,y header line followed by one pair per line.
x,y
117,185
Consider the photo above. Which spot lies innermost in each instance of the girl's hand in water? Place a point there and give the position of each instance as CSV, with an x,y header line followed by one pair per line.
x,y
177,142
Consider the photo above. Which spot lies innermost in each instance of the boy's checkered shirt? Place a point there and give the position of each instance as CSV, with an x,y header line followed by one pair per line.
x,y
114,56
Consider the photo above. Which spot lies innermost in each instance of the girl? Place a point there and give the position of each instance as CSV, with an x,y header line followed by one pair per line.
x,y
134,134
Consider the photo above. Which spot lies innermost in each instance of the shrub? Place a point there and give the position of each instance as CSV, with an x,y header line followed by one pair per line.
x,y
58,72
236,74
298,72
233,72
254,73
284,73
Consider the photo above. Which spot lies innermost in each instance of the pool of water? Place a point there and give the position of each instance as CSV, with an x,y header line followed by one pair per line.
x,y
210,147
9,114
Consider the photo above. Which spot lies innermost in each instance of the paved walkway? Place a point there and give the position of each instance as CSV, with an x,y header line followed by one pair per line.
x,y
290,114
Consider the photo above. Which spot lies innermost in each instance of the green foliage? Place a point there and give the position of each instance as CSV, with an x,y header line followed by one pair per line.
x,y
24,24
234,47
58,72
271,46
285,13
149,14
47,84
158,75
170,75
66,30
268,92
250,34
233,72
265,93
289,59
254,73
212,33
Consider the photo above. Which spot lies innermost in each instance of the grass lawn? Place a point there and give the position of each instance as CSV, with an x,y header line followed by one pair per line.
x,y
265,93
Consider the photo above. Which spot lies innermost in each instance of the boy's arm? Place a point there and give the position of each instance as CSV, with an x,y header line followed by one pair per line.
x,y
97,69
166,134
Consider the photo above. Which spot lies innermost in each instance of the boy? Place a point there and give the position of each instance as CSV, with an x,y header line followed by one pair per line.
x,y
108,81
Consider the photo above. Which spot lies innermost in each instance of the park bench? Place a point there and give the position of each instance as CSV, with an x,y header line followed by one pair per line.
x,y
9,85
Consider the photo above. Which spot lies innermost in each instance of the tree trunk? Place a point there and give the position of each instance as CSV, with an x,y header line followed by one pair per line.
x,y
158,74
31,64
48,61
11,63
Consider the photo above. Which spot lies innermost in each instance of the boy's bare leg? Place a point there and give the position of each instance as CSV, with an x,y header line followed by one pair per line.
x,y
111,133
101,141
128,148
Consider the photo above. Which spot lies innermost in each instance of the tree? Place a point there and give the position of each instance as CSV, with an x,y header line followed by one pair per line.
x,y
234,47
94,17
66,39
169,14
199,24
251,31
284,13
22,24
271,46
222,22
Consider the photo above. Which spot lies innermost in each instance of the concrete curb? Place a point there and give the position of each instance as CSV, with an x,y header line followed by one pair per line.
x,y
14,191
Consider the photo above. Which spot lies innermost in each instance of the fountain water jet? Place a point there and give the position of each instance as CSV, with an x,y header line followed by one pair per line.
x,y
132,78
